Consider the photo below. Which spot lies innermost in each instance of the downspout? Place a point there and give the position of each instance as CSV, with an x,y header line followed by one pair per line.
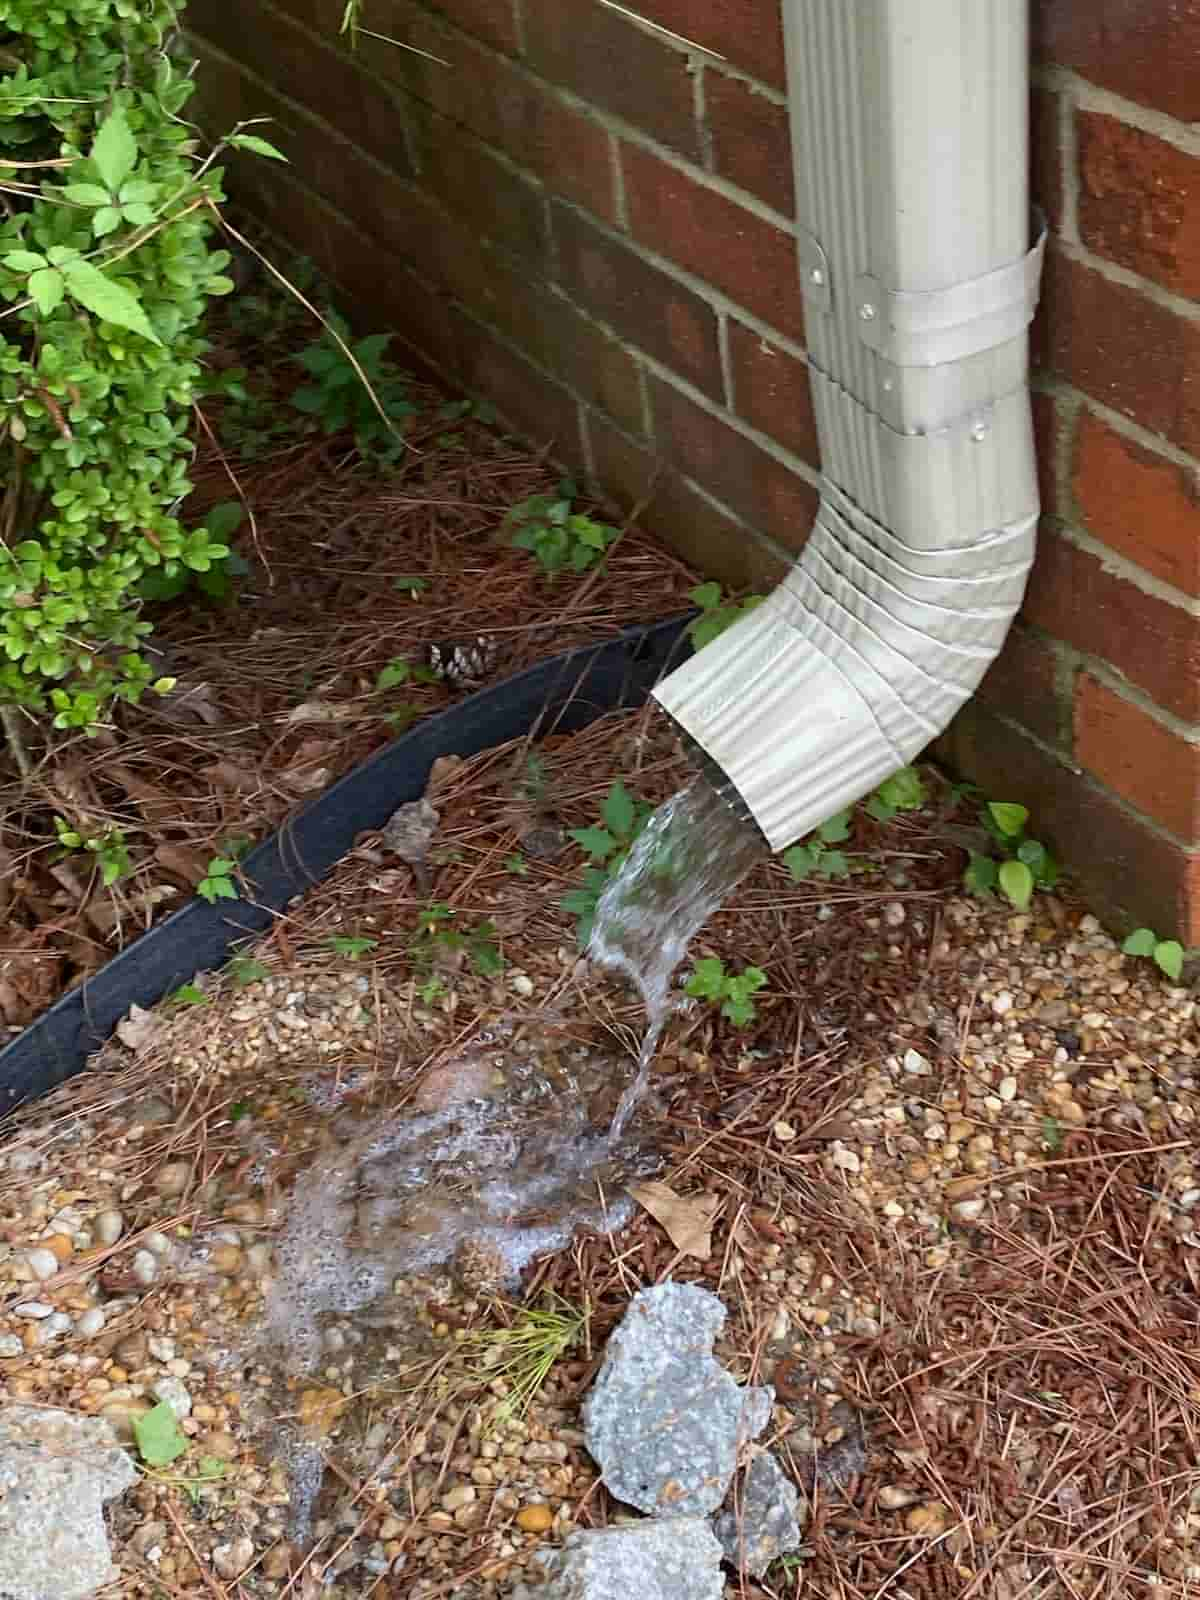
x,y
910,144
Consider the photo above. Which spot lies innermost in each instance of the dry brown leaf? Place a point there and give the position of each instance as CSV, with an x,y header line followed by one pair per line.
x,y
138,1029
225,774
318,711
191,700
443,771
190,865
686,1221
155,804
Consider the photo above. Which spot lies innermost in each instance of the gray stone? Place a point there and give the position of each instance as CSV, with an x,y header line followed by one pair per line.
x,y
664,1420
56,1472
666,1558
764,1521
176,1396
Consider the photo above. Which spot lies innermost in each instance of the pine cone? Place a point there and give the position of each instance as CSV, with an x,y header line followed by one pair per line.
x,y
479,1267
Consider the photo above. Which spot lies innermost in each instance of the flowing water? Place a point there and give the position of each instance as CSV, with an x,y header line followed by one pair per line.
x,y
691,855
516,1151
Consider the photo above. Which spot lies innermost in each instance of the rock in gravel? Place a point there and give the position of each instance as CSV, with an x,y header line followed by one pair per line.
x,y
56,1472
664,1420
668,1558
765,1521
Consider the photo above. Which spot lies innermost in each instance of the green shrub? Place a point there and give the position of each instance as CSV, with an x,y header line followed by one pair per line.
x,y
105,275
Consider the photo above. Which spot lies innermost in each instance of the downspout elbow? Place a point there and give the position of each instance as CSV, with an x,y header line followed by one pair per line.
x,y
924,537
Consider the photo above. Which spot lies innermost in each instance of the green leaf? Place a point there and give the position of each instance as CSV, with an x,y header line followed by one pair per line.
x,y
517,865
1009,818
158,1436
739,1011
351,946
395,673
981,875
618,811
707,981
46,290
1016,882
878,808
1141,942
189,994
245,970
833,864
707,596
1034,855
23,261
903,791
595,842
114,151
255,145
837,827
107,299
1169,956
87,194
801,860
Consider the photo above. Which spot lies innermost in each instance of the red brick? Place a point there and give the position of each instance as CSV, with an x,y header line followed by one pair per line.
x,y
750,260
601,56
1154,644
752,483
652,310
547,327
538,408
320,78
1122,349
1046,155
771,391
630,475
494,21
1022,684
1045,432
395,301
1139,201
750,139
1134,754
1146,50
747,33
499,204
1139,503
1132,875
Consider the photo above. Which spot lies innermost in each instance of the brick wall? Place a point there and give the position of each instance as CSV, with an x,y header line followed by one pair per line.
x,y
585,215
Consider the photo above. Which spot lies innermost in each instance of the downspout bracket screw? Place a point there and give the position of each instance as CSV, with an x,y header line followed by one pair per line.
x,y
816,276
867,312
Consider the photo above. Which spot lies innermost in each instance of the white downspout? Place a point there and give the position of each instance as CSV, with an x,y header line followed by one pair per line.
x,y
910,141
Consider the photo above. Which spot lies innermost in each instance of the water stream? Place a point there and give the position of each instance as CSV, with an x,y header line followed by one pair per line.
x,y
515,1153
690,857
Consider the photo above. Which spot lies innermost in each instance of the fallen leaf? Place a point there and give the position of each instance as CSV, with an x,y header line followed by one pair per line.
x,y
191,701
318,711
687,1222
190,865
136,1030
305,779
154,803
225,774
320,1408
443,771
409,832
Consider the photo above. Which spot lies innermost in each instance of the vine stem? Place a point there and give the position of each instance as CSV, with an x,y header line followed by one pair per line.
x,y
14,734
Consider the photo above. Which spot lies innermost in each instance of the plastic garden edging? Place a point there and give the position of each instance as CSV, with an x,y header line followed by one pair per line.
x,y
561,695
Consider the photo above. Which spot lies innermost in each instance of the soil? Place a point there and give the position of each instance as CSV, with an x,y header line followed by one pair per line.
x,y
949,1167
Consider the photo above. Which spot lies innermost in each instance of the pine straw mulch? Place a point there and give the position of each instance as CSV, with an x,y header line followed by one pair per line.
x,y
276,693
1021,1386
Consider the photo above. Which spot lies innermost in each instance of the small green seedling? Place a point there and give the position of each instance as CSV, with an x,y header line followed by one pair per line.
x,y
557,536
517,865
351,945
431,990
109,849
438,934
717,612
245,970
217,883
814,858
409,585
730,991
1052,1134
158,1436
1167,954
188,994
1024,865
339,401
903,791
606,845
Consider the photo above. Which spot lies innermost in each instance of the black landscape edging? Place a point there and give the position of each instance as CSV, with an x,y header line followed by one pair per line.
x,y
561,695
